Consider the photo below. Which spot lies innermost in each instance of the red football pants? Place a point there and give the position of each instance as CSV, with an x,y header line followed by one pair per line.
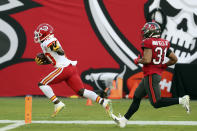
x,y
67,74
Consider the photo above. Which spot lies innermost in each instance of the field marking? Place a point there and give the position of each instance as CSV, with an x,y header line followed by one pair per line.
x,y
105,122
11,126
17,123
129,122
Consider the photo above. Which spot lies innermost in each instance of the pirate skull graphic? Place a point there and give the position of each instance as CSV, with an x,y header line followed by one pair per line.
x,y
178,20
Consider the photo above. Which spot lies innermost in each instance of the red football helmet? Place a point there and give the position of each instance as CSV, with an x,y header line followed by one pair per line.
x,y
151,29
42,31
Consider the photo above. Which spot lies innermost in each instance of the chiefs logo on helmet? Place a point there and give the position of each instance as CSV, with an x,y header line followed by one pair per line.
x,y
42,31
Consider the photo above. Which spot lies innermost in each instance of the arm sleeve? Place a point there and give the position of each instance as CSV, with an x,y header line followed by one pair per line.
x,y
168,52
146,44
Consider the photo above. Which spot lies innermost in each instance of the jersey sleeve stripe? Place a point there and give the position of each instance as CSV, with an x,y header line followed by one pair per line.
x,y
51,57
49,44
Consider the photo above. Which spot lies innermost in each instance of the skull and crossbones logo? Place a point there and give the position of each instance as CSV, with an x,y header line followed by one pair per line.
x,y
178,19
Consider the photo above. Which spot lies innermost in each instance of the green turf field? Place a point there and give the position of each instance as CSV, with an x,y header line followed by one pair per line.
x,y
13,109
2,125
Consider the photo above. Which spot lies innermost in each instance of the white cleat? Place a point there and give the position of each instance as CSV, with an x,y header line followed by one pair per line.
x,y
58,108
120,121
185,102
108,106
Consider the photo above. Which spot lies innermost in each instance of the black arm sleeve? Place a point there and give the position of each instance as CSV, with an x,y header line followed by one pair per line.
x,y
168,52
59,51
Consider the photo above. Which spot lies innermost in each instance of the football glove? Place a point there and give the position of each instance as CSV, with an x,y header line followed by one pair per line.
x,y
39,61
136,60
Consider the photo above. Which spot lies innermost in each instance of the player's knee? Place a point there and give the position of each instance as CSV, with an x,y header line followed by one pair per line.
x,y
40,84
155,105
80,92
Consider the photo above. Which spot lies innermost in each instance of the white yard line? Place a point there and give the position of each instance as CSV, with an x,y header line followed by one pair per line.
x,y
106,122
11,126
129,123
17,123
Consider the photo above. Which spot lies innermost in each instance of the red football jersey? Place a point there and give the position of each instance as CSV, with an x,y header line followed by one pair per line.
x,y
159,48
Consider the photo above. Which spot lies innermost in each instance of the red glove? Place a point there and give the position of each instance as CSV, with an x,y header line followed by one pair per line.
x,y
137,59
164,66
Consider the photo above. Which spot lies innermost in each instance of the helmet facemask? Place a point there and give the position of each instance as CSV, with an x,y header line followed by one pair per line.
x,y
37,36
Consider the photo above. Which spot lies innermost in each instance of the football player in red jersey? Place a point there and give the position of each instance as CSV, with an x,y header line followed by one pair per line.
x,y
65,69
154,50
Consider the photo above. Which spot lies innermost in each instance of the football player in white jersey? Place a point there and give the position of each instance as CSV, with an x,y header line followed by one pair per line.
x,y
65,70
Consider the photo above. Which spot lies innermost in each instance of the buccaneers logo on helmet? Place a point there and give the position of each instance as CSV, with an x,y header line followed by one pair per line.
x,y
151,29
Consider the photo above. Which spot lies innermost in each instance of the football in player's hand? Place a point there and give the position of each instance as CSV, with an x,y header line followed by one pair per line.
x,y
41,59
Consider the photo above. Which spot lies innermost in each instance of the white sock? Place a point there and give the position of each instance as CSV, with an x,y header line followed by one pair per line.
x,y
124,119
180,101
92,95
47,90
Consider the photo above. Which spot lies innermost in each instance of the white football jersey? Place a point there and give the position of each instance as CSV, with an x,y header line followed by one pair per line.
x,y
56,59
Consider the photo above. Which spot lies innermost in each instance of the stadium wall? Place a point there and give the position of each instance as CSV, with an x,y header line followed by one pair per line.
x,y
102,35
